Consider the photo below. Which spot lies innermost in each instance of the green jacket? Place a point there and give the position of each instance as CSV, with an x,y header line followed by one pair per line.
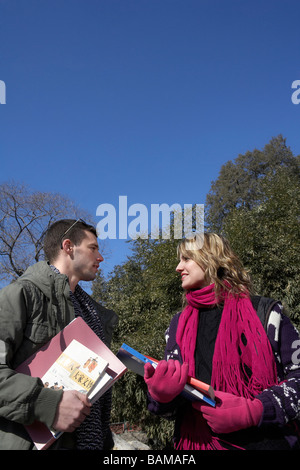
x,y
33,309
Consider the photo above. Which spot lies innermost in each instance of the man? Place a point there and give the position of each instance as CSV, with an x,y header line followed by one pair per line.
x,y
35,308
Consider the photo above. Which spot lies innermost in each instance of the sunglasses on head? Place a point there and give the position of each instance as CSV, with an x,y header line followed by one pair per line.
x,y
73,225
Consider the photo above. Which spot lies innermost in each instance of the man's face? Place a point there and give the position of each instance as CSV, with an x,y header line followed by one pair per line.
x,y
86,258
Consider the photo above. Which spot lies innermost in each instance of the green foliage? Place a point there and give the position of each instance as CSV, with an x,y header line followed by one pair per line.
x,y
255,203
145,292
239,181
267,240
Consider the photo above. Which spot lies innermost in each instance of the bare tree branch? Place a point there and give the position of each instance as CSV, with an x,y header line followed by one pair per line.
x,y
24,217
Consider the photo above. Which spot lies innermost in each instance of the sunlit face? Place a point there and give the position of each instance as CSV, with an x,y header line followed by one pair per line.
x,y
192,276
86,258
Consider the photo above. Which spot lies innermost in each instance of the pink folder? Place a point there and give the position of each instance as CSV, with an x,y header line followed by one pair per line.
x,y
41,361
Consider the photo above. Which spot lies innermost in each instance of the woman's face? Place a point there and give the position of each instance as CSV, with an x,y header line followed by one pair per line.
x,y
192,276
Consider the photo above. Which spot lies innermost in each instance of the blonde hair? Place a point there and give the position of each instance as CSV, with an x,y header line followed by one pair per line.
x,y
220,264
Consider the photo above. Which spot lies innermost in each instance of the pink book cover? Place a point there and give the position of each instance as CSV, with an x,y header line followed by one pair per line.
x,y
40,362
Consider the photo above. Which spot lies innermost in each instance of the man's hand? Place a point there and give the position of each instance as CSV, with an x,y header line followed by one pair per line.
x,y
71,411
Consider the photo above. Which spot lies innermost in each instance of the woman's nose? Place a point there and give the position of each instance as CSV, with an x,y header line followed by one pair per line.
x,y
179,267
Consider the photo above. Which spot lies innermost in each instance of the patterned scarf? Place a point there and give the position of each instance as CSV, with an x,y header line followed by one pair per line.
x,y
241,346
91,434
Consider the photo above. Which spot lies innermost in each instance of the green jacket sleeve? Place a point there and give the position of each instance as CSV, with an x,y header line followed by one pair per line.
x,y
23,399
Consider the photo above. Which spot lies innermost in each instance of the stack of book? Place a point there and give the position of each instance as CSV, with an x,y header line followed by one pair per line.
x,y
74,359
194,388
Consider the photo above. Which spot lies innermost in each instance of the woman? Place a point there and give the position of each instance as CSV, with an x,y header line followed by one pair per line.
x,y
220,339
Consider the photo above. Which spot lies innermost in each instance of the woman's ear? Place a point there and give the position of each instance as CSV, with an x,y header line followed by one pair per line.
x,y
221,272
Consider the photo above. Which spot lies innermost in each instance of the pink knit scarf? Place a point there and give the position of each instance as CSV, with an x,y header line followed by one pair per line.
x,y
241,342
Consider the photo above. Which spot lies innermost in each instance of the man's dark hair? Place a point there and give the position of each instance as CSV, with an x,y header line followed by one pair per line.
x,y
61,230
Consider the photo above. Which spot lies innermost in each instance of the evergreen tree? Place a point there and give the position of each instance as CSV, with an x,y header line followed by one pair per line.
x,y
145,292
255,203
267,240
239,182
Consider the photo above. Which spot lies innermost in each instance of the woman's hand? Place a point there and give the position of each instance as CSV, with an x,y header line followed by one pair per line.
x,y
166,381
231,413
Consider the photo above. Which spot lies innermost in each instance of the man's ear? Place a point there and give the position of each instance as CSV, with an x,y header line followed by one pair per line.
x,y
67,246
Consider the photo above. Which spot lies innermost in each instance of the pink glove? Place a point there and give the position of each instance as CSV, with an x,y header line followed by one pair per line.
x,y
231,413
166,381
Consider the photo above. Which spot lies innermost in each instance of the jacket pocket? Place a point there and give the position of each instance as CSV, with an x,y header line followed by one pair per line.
x,y
36,333
34,337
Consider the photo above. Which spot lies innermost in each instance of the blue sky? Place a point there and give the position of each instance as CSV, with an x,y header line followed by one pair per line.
x,y
142,98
